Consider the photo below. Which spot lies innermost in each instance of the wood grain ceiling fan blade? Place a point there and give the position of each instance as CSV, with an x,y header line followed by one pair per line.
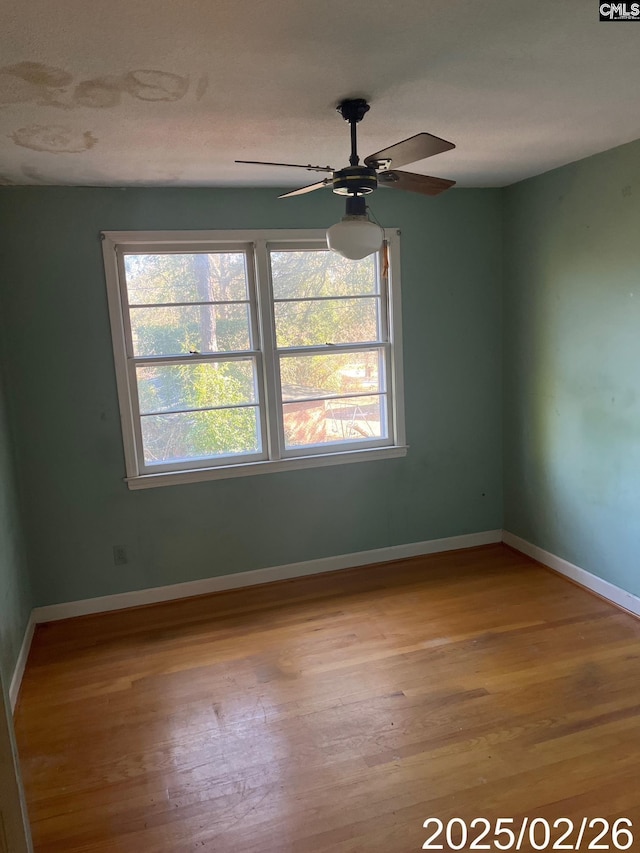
x,y
308,189
424,184
410,150
308,167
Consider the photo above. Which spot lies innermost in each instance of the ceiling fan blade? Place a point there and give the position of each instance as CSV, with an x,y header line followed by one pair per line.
x,y
408,151
309,167
308,189
414,183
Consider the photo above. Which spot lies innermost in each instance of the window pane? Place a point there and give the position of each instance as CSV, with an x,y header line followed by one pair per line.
x,y
322,375
196,277
326,421
199,328
321,273
166,388
200,435
335,321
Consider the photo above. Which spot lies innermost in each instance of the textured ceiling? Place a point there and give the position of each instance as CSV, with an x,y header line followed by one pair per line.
x,y
170,93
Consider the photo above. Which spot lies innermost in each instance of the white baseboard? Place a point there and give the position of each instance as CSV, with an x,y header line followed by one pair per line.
x,y
607,590
18,672
53,612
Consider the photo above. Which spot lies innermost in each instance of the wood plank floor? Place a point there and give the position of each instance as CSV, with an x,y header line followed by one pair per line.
x,y
333,713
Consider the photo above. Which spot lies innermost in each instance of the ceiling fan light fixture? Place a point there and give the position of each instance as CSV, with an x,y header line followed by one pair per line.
x,y
355,236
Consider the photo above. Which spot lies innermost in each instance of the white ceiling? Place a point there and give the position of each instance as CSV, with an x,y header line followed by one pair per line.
x,y
170,93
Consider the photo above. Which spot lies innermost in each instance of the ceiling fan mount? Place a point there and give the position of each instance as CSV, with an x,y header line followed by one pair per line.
x,y
353,109
379,169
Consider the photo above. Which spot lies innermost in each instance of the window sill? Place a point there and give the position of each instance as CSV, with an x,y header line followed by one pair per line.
x,y
176,478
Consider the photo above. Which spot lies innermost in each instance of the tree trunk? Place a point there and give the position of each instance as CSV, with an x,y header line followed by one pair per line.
x,y
207,319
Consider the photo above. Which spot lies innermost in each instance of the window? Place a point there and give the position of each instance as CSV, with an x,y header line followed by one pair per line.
x,y
243,352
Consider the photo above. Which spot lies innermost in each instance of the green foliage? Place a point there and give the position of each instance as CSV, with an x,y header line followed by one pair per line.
x,y
300,275
195,277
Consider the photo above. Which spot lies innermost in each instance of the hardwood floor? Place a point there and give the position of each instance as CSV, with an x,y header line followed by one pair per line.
x,y
333,713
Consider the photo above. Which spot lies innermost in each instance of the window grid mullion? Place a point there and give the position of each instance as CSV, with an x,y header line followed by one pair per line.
x,y
195,358
189,304
328,349
329,397
255,339
327,298
253,405
385,333
137,420
271,373
132,378
394,356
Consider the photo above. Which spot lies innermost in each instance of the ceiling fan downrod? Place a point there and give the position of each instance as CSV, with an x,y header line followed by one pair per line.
x,y
353,111
355,180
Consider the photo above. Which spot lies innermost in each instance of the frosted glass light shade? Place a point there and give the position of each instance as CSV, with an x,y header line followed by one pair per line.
x,y
355,237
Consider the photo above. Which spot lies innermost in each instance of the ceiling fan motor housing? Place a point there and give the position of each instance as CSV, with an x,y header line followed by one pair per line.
x,y
355,180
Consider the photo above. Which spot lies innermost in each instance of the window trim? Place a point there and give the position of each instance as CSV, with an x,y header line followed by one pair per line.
x,y
266,356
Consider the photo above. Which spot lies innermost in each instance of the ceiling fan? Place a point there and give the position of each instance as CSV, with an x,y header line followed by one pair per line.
x,y
356,232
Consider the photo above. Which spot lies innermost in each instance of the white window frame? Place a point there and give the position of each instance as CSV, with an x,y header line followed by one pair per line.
x,y
274,456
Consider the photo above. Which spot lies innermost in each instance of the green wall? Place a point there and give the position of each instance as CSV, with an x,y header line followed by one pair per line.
x,y
15,589
571,339
572,363
68,441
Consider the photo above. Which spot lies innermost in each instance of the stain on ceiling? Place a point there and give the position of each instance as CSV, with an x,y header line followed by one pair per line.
x,y
131,93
